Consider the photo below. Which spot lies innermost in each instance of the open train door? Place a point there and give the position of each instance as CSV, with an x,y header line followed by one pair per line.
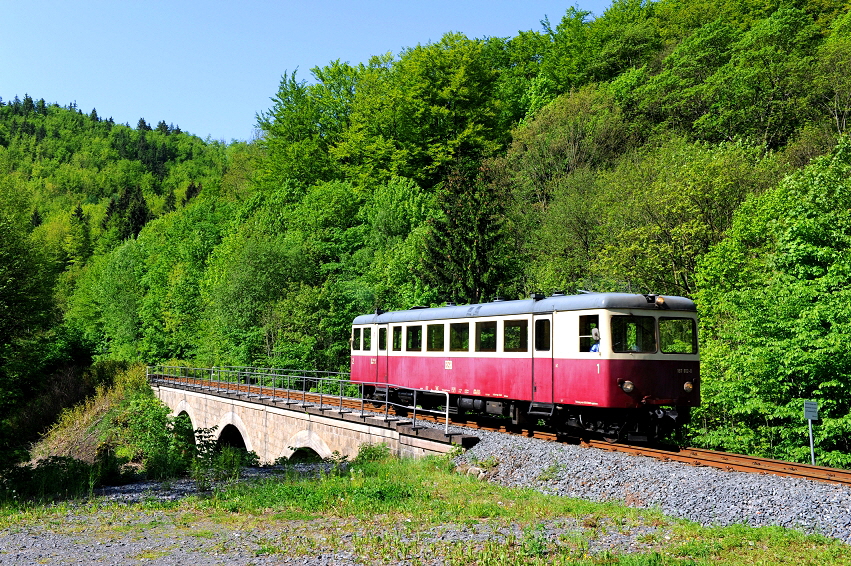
x,y
542,359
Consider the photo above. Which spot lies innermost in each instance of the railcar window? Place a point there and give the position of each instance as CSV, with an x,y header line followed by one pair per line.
x,y
382,339
367,338
633,334
586,338
486,336
459,337
397,338
434,338
677,335
356,338
414,342
542,335
516,336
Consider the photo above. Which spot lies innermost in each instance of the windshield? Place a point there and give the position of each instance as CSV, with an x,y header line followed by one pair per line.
x,y
633,334
677,335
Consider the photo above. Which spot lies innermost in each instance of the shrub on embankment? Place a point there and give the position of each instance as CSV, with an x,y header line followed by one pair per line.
x,y
74,455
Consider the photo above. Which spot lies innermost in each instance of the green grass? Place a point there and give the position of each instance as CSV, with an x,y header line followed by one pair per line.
x,y
387,511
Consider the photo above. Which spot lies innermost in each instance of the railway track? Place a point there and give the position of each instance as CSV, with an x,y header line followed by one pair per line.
x,y
291,397
693,456
734,462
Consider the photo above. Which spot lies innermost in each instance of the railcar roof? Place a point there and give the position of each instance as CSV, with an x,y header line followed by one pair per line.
x,y
530,306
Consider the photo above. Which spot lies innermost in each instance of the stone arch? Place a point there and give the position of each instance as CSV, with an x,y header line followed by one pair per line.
x,y
184,407
230,436
307,439
232,418
185,436
305,454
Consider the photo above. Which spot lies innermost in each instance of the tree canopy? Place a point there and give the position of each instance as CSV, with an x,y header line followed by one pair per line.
x,y
672,146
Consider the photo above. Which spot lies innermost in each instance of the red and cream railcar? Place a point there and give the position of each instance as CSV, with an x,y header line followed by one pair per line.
x,y
620,365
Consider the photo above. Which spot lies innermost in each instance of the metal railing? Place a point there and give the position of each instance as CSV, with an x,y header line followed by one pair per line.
x,y
292,387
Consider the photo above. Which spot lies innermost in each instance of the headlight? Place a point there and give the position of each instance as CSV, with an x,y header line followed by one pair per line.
x,y
688,386
627,386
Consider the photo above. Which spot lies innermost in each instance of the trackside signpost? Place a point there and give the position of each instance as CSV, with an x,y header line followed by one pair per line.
x,y
811,414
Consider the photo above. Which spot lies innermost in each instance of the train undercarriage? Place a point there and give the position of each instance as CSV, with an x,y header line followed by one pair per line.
x,y
650,423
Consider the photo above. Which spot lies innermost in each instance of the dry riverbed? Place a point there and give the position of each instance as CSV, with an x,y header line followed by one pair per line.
x,y
159,522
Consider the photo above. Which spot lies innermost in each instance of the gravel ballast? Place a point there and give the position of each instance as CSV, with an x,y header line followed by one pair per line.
x,y
708,496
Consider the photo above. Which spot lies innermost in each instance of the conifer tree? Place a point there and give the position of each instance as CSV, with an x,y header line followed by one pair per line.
x,y
78,241
29,105
143,148
111,213
170,203
132,211
191,192
467,256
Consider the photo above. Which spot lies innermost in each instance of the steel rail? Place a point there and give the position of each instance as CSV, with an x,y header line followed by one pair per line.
x,y
694,456
734,462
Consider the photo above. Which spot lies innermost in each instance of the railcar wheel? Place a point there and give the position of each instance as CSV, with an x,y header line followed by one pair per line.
x,y
379,397
613,433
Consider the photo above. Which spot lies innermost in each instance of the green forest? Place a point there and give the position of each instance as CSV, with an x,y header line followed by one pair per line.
x,y
688,147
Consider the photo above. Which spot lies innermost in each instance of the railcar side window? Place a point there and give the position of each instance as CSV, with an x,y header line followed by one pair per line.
x,y
414,342
542,335
367,338
459,337
633,334
486,336
516,336
356,338
434,338
677,336
586,338
382,339
397,338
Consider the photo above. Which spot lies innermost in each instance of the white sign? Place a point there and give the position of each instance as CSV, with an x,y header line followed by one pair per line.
x,y
811,410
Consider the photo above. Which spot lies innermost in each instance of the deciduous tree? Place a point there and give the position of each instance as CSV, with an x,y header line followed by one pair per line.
x,y
775,321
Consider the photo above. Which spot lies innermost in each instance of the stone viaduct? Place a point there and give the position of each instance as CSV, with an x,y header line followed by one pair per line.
x,y
273,431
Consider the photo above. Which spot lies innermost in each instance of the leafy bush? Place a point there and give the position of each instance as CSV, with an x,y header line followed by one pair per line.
x,y
213,463
368,452
153,437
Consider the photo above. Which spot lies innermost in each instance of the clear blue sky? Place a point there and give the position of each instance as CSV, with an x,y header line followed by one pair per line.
x,y
209,66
